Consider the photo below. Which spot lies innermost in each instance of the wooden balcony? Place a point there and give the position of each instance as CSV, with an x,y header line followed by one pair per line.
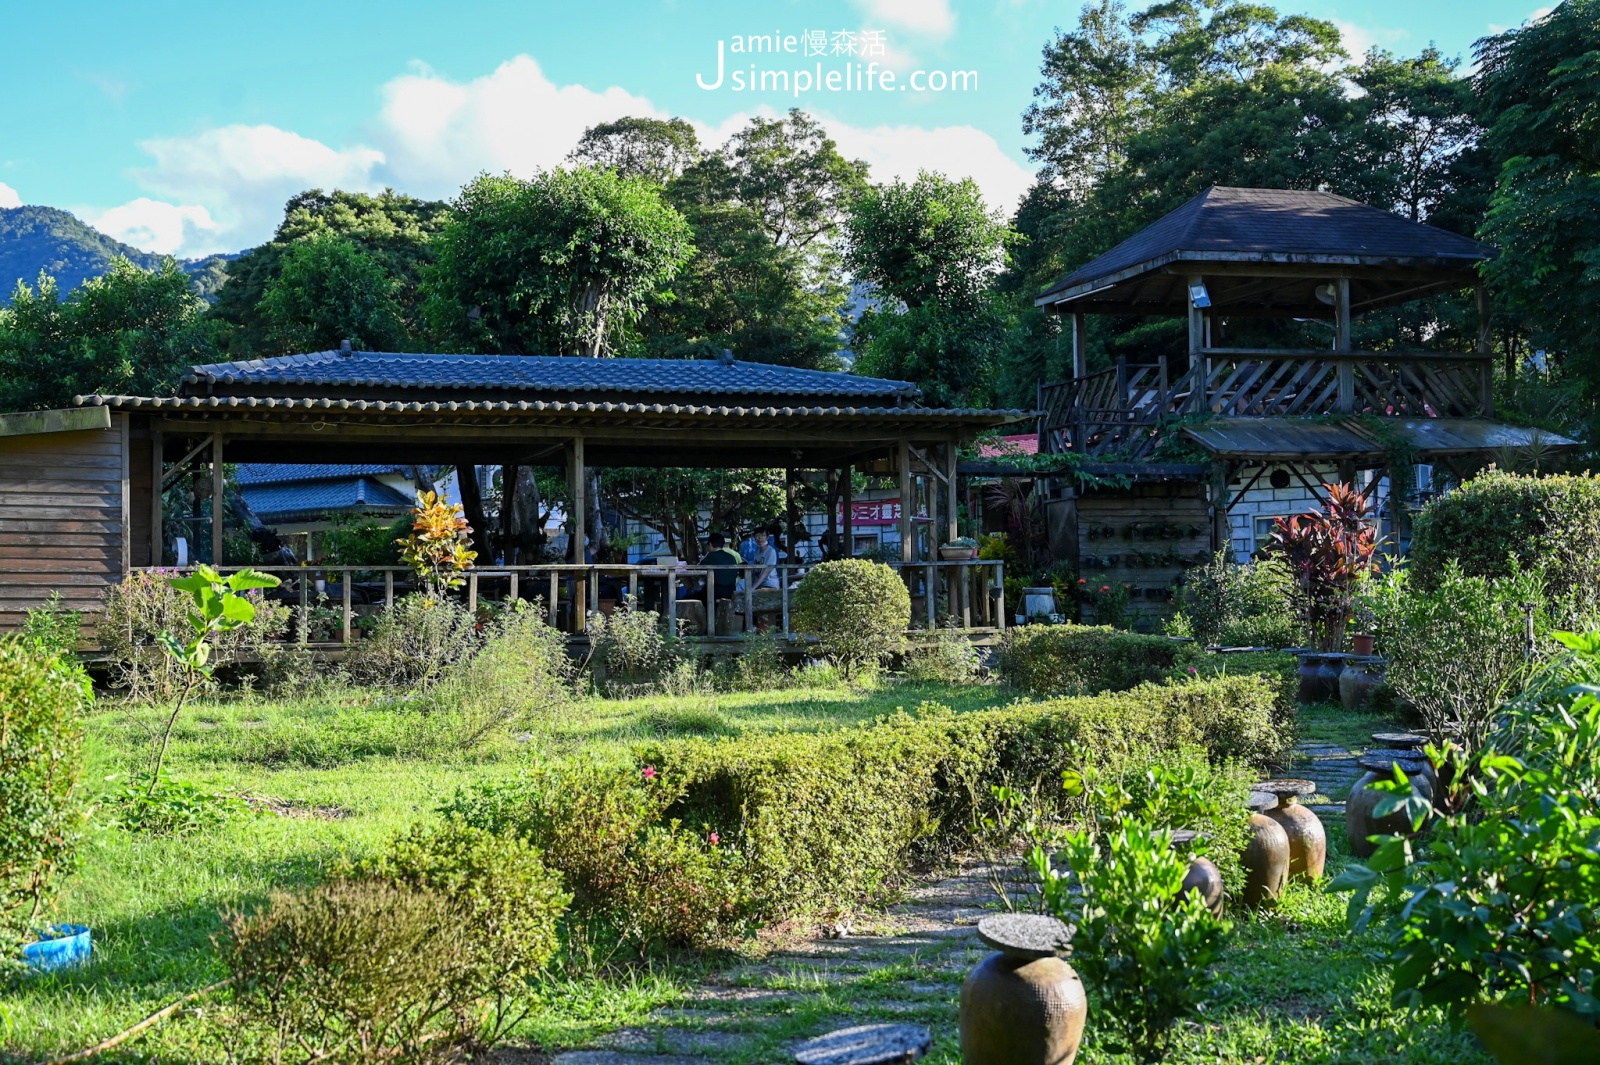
x,y
1119,411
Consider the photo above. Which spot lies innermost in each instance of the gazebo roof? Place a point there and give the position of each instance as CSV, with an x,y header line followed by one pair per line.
x,y
1235,237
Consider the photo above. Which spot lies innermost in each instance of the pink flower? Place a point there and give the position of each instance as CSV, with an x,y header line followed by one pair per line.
x,y
649,772
1105,587
714,838
1193,671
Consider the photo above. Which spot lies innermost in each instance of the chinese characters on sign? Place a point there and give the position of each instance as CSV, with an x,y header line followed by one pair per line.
x,y
873,512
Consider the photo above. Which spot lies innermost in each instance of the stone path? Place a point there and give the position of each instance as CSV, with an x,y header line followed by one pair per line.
x,y
904,966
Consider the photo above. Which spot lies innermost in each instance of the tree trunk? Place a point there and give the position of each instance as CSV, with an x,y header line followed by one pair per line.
x,y
508,511
472,506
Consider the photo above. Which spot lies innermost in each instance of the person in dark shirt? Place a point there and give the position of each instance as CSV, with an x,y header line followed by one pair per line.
x,y
721,555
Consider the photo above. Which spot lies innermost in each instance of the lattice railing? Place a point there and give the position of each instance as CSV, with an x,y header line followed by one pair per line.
x,y
1117,410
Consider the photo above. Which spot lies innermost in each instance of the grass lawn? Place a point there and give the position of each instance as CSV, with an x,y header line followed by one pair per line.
x,y
344,773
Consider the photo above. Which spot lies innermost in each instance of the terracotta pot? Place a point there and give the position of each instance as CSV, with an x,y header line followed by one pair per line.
x,y
1360,676
1308,841
1203,876
1265,859
1359,819
1362,643
1022,1011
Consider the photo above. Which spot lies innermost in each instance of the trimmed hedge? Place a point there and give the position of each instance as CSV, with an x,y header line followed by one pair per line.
x,y
1087,659
1548,523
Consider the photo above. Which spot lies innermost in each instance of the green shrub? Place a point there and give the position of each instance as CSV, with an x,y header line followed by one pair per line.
x,y
1086,659
1223,603
858,611
42,701
1500,904
631,652
520,676
363,541
1279,670
53,627
759,666
1145,949
413,643
1550,524
1455,650
354,972
171,808
950,658
145,605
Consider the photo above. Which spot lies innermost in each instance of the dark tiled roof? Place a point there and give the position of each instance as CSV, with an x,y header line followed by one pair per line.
x,y
1224,223
274,503
263,473
529,376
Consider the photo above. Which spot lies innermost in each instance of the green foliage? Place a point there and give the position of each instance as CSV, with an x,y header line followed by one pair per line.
x,y
53,628
413,643
520,676
1456,651
632,650
1144,949
145,605
1085,659
1328,554
170,807
651,148
130,330
38,240
950,658
1499,905
42,700
760,665
329,289
858,610
950,353
437,547
561,264
362,541
1223,603
1497,522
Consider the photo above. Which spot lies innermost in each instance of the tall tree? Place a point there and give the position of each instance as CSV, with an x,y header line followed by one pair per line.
x,y
1539,87
328,290
395,231
655,149
561,264
129,330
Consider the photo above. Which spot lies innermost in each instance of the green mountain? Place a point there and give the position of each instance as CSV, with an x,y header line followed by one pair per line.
x,y
57,242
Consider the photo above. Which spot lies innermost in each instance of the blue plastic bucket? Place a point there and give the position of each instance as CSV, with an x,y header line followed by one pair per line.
x,y
67,945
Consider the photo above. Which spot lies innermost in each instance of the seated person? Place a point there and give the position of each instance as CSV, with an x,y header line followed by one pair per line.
x,y
721,555
767,559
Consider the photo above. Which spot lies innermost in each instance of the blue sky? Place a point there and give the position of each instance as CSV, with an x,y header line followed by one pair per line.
x,y
183,127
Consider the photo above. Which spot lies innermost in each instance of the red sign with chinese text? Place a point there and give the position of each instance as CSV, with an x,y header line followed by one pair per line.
x,y
873,512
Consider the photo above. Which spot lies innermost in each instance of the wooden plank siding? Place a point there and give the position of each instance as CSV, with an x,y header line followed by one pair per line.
x,y
1135,525
63,517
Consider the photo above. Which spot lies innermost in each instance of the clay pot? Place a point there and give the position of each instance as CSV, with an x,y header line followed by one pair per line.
x,y
1319,677
1308,841
1265,858
1362,643
1359,819
1203,876
1018,1008
1360,676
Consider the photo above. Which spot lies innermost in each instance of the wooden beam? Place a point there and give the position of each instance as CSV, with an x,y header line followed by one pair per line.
x,y
1197,343
846,490
951,514
127,496
1080,346
1346,369
26,423
157,482
217,508
905,501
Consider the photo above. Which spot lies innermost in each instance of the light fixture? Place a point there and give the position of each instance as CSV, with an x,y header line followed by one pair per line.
x,y
1325,294
1198,294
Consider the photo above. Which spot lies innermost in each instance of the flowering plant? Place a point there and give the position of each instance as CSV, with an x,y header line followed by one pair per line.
x,y
436,548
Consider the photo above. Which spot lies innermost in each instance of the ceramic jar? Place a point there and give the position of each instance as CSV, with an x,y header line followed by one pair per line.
x,y
1360,676
1266,855
1360,820
1022,1005
1319,677
1203,877
1308,841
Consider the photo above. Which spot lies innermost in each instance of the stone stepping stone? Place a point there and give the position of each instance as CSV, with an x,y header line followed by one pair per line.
x,y
621,1057
866,1044
1399,740
666,1040
1284,787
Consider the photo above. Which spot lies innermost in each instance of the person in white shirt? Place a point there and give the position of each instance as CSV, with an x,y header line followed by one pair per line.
x,y
767,558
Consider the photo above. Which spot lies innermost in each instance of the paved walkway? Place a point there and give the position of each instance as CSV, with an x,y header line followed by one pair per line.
x,y
906,965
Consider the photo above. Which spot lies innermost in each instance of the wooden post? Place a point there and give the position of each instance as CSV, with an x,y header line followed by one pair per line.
x,y
905,501
1197,342
791,512
472,592
388,588
847,504
1346,369
512,596
1080,346
672,600
711,602
344,582
1485,365
216,499
1221,531
783,595
555,596
126,493
157,472
952,525
579,534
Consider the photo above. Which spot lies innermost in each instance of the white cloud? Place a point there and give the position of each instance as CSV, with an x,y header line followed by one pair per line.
x,y
1536,15
8,196
437,133
929,18
956,151
1359,40
152,225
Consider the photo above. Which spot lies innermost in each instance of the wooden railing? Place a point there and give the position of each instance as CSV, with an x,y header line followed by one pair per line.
x,y
968,594
1115,411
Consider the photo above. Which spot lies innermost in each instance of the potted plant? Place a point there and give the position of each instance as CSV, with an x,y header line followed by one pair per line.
x,y
961,549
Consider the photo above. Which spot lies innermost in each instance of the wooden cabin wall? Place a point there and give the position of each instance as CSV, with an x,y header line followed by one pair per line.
x,y
63,506
1147,536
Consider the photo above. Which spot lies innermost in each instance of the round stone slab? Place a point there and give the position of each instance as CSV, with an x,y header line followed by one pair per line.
x,y
1261,800
1399,741
1385,763
1286,786
866,1044
1024,935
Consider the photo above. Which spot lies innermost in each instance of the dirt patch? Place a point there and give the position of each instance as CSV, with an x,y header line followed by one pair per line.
x,y
295,808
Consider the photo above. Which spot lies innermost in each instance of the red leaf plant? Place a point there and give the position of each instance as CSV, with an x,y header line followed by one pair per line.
x,y
1329,552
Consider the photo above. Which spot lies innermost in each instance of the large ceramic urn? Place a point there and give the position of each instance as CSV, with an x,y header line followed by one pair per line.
x,y
1308,842
1202,878
1360,818
1266,854
1022,1005
1361,675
